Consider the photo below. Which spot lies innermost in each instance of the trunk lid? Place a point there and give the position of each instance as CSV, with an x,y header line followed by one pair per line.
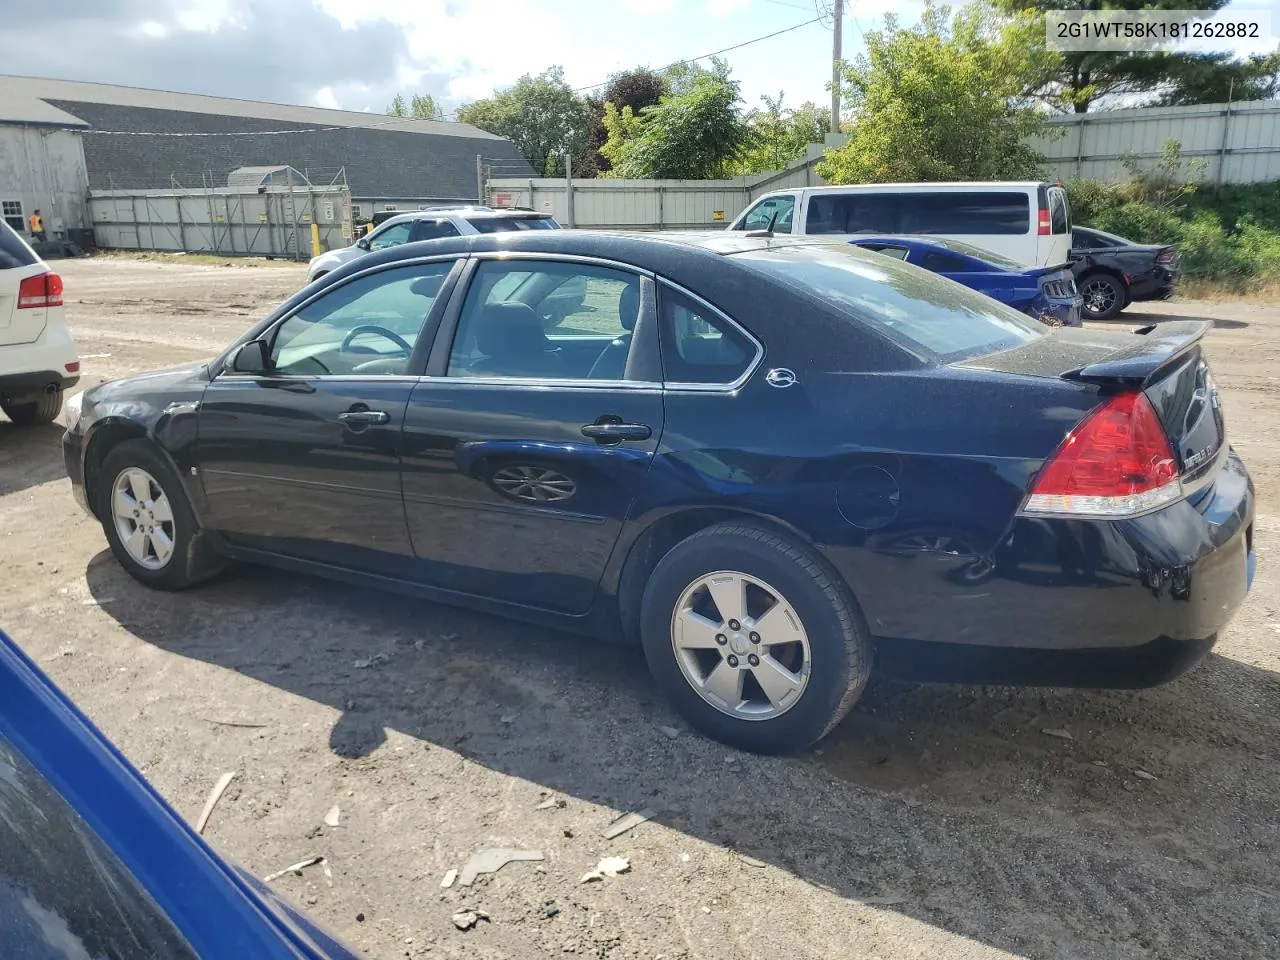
x,y
20,325
1164,361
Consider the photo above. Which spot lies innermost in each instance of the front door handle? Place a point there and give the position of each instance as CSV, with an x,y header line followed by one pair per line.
x,y
363,418
612,432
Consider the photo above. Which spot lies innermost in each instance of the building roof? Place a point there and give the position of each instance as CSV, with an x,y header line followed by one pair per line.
x,y
137,138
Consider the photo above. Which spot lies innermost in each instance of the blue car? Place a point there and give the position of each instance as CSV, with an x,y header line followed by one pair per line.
x,y
764,459
93,863
1047,293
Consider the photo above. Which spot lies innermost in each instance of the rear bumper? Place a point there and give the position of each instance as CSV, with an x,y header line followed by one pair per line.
x,y
1068,602
1056,312
1159,284
73,460
25,384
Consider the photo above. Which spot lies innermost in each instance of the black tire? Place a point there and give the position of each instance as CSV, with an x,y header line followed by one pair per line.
x,y
192,560
1109,296
36,409
840,647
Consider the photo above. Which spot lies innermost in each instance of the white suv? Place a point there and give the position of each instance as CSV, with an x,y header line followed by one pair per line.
x,y
431,225
38,360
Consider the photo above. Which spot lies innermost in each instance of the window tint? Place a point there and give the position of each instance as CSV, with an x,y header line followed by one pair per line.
x,y
434,230
13,250
1058,211
698,346
994,260
507,224
392,236
546,320
63,893
943,263
923,313
962,212
760,216
322,339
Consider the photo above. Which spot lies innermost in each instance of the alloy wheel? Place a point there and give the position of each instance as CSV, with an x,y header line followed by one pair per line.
x,y
143,517
1099,296
741,645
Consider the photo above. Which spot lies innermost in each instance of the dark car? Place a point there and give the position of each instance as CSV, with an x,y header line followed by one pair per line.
x,y
1112,272
755,456
93,863
1046,293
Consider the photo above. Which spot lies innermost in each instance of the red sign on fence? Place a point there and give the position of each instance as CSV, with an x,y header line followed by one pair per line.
x,y
503,200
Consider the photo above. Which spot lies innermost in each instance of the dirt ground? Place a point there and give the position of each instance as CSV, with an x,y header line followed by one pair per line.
x,y
936,822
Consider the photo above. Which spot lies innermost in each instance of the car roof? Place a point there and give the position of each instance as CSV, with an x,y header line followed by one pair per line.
x,y
924,187
466,213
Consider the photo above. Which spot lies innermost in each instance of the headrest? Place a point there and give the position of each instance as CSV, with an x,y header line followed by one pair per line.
x,y
510,330
629,306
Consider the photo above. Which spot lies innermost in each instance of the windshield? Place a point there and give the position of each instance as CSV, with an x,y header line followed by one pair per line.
x,y
925,313
978,253
504,224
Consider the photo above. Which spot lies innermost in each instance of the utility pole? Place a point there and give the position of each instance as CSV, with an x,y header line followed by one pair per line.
x,y
836,73
480,180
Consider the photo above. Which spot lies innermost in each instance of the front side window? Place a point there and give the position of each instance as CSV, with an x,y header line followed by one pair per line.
x,y
898,253
546,320
392,236
698,345
763,214
367,327
63,893
925,314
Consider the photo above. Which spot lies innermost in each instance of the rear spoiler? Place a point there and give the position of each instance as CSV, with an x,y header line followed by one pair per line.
x,y
1153,348
1051,268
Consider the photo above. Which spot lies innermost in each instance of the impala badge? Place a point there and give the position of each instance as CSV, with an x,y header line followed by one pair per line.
x,y
781,378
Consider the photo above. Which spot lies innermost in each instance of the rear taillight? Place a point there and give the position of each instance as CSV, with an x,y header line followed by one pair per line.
x,y
1117,462
1044,230
1167,256
44,290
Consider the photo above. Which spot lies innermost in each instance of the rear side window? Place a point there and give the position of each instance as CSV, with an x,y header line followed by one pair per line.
x,y
965,212
434,230
943,263
63,893
898,253
1059,221
13,251
699,345
507,224
927,315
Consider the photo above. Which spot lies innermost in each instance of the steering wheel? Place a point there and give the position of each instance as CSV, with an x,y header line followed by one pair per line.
x,y
391,335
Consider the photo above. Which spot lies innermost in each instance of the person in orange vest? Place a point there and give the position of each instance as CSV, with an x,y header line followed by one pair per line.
x,y
36,222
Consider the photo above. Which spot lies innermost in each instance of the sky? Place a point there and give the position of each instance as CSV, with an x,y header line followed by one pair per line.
x,y
357,54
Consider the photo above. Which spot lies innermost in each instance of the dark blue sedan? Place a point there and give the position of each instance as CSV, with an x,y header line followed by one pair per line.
x,y
759,457
1046,293
94,864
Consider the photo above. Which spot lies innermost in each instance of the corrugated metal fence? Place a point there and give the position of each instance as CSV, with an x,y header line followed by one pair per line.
x,y
1240,141
223,221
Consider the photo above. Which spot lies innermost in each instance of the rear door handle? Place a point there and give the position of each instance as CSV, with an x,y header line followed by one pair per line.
x,y
617,432
363,418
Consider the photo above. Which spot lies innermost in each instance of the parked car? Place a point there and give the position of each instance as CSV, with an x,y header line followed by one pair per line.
x,y
1046,293
38,359
1029,222
94,863
1112,272
382,216
767,455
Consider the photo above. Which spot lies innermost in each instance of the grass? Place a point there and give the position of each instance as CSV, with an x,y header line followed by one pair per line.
x,y
200,259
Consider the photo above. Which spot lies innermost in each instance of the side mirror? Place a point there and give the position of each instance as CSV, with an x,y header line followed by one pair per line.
x,y
363,243
252,357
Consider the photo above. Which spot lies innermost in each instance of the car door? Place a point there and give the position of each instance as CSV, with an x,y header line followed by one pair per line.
x,y
527,441
300,456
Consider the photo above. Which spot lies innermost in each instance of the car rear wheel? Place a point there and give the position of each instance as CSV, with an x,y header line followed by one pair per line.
x,y
29,411
1104,296
148,520
753,640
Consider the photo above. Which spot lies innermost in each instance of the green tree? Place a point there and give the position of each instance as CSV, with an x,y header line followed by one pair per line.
x,y
422,106
779,135
943,100
637,89
1081,80
541,115
397,108
694,133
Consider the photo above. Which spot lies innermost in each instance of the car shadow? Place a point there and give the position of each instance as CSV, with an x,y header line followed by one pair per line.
x,y
1144,317
29,456
1011,817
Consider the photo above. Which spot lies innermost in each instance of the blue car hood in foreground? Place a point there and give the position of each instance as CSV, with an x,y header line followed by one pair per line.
x,y
140,852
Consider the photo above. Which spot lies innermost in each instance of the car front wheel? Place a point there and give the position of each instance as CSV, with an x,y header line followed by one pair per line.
x,y
29,411
753,640
148,520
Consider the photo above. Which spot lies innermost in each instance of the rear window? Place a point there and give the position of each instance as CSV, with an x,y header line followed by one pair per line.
x,y
997,213
979,253
13,251
505,224
926,314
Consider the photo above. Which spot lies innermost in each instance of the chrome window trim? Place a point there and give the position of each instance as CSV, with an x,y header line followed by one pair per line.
x,y
547,383
677,386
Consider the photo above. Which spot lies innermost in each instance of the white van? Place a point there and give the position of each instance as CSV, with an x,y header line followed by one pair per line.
x,y
1029,222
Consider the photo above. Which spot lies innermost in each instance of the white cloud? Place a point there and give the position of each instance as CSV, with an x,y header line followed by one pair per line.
x,y
325,98
150,28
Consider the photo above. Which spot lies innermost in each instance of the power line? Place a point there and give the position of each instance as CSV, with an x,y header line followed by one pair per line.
x,y
714,53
